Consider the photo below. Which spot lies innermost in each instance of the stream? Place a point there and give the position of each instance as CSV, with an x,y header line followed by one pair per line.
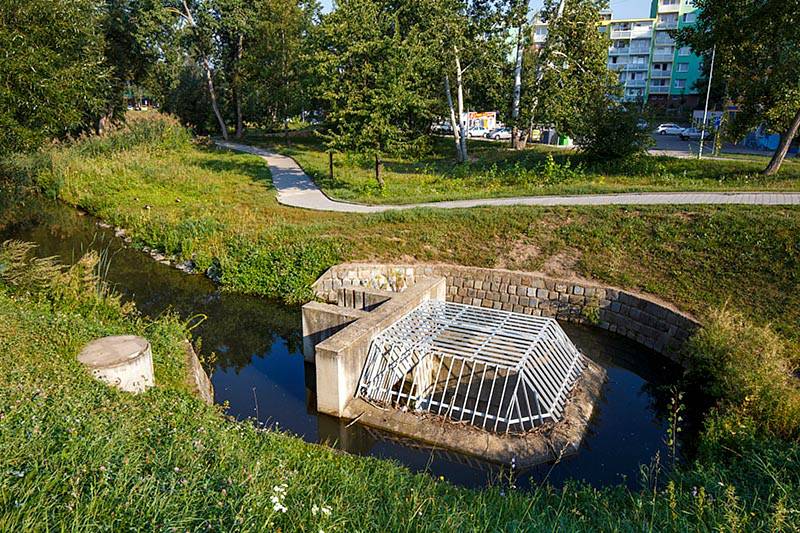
x,y
259,370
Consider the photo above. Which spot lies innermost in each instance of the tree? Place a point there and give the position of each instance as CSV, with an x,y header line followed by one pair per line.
x,y
277,67
519,20
53,75
570,72
468,40
758,56
201,20
369,68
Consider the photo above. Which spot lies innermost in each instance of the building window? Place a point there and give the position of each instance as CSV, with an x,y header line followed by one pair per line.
x,y
684,51
690,17
683,67
680,84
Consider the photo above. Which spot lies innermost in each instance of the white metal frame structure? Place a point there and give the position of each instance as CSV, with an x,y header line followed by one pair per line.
x,y
496,370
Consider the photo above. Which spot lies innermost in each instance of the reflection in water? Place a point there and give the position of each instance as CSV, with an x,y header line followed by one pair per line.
x,y
260,372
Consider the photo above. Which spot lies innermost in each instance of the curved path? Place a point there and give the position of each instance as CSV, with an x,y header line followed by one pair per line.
x,y
296,189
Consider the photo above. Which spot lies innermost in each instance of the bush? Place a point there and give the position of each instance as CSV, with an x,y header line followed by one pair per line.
x,y
749,370
614,132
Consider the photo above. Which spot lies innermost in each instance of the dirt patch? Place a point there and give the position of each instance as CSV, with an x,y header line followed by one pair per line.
x,y
519,254
562,264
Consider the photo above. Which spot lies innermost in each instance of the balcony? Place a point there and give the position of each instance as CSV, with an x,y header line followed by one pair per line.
x,y
616,66
669,7
659,89
618,51
620,34
636,67
635,83
661,74
663,58
667,25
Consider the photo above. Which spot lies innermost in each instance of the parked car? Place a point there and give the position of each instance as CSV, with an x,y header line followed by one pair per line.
x,y
693,134
669,129
498,134
442,128
477,131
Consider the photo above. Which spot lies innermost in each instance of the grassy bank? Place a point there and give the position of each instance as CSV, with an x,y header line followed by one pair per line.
x,y
218,208
497,171
81,456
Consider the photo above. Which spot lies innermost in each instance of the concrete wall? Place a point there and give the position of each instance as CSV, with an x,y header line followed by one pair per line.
x,y
199,383
322,321
644,319
340,358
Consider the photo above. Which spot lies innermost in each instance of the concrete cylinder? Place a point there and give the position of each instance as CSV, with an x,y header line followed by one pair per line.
x,y
122,361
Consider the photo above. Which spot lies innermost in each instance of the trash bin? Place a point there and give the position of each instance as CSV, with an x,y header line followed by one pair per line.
x,y
563,140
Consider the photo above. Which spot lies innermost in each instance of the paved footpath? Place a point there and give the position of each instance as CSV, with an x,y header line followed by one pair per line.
x,y
296,189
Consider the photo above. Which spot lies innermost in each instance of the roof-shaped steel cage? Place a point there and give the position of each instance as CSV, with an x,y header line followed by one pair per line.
x,y
497,370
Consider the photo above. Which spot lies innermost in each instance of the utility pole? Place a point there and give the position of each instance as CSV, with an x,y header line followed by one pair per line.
x,y
708,97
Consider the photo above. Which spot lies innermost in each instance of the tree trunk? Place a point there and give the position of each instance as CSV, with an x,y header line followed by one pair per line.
x,y
379,170
460,94
453,121
237,89
285,76
783,147
209,79
515,132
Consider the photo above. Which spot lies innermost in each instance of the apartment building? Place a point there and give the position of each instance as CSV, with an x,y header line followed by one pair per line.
x,y
650,65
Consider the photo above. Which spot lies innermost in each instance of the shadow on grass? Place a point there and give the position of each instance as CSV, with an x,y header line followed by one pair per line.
x,y
255,169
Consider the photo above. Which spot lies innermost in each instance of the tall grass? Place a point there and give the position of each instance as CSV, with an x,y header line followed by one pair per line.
x,y
50,166
751,370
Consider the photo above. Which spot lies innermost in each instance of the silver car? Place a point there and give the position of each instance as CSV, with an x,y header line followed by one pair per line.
x,y
693,134
669,129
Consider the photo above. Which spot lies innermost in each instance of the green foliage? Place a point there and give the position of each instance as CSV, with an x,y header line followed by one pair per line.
x,y
613,132
765,86
570,75
53,75
371,78
750,369
48,166
282,267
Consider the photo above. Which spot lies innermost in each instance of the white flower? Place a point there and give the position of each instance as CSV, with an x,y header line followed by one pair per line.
x,y
279,507
314,509
326,511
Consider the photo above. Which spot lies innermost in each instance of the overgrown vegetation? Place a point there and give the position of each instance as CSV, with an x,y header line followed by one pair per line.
x,y
81,455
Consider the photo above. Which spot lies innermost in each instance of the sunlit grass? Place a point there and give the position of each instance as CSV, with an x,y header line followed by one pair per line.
x,y
497,171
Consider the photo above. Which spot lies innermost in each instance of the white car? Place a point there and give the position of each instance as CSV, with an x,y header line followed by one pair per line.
x,y
477,131
669,129
499,134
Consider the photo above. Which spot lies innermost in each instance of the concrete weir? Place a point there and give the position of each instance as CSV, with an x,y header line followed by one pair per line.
x,y
338,337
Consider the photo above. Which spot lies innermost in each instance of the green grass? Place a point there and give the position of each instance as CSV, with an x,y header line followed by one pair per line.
x,y
78,455
219,209
497,171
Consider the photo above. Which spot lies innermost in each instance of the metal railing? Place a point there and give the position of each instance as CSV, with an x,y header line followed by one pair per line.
x,y
496,370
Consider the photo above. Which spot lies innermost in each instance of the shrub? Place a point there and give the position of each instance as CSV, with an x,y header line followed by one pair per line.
x,y
614,133
749,370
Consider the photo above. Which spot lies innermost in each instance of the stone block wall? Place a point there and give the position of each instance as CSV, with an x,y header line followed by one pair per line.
x,y
643,319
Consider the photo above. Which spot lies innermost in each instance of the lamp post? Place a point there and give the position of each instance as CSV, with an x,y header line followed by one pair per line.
x,y
708,97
